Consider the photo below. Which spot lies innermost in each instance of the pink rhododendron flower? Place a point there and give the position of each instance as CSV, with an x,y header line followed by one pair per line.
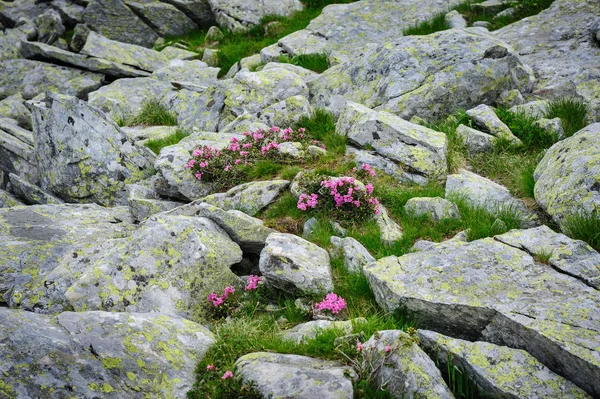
x,y
359,346
199,176
253,282
210,367
197,153
227,168
369,188
387,349
332,302
228,374
190,164
228,291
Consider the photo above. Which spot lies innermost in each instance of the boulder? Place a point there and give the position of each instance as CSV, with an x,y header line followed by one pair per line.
x,y
490,7
354,254
552,127
567,179
114,20
241,15
142,134
70,12
30,193
306,74
7,200
486,118
510,98
11,39
310,329
508,299
13,11
384,165
286,112
192,72
85,156
417,149
13,107
533,109
499,371
390,231
17,154
294,265
403,369
80,35
198,10
430,75
475,141
144,202
49,27
165,19
249,198
433,208
99,354
455,20
31,78
175,53
198,110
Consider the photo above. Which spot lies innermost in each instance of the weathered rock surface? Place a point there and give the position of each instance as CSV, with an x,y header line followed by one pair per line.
x,y
500,371
552,127
355,255
191,72
384,165
249,198
486,118
17,153
198,10
533,109
405,370
390,231
165,19
49,27
240,15
293,376
475,141
486,290
567,179
419,150
7,200
144,202
286,112
198,110
112,355
311,329
430,75
455,20
13,107
30,193
434,208
295,265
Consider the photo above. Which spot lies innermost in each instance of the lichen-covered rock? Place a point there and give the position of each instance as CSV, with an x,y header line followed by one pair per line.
x,y
17,154
533,109
552,127
455,20
384,165
249,198
355,255
486,118
572,257
418,149
306,74
31,78
404,370
286,112
14,11
80,34
292,264
193,72
293,376
567,179
198,110
198,10
114,20
241,15
510,98
434,208
49,27
390,231
500,371
13,107
430,75
85,156
144,202
475,141
310,329
30,193
484,193
558,44
175,53
7,200
112,355
165,19
492,291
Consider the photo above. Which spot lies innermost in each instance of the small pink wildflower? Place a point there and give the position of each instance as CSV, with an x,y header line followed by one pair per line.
x,y
199,176
203,164
190,164
210,367
228,374
247,145
369,188
332,302
197,153
302,130
387,349
227,168
253,282
244,153
367,168
237,161
228,291
307,201
359,346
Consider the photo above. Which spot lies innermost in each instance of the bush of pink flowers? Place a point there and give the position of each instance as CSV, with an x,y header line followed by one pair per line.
x,y
332,303
227,303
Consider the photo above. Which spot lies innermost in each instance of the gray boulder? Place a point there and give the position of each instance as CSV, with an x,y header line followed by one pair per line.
x,y
198,110
489,365
475,141
486,118
434,208
241,15
165,19
144,202
295,265
490,7
420,75
7,200
49,27
286,112
355,255
112,355
552,127
249,198
71,12
192,72
455,20
390,231
114,20
533,109
306,74
85,156
567,178
13,107
311,329
198,10
80,35
510,98
30,193
17,154
293,376
384,165
419,150
405,371
508,299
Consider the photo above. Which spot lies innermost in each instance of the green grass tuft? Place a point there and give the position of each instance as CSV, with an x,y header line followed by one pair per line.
x,y
321,126
527,182
573,114
584,227
436,24
314,62
263,169
153,113
522,126
158,144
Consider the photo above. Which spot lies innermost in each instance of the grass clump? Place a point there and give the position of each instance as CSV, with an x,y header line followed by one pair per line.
x,y
523,126
436,24
321,125
314,62
584,227
573,114
158,144
153,113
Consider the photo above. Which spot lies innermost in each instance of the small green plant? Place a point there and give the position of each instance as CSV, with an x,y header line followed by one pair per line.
x,y
460,383
543,255
572,112
527,181
314,62
435,24
321,125
158,144
584,227
523,126
153,113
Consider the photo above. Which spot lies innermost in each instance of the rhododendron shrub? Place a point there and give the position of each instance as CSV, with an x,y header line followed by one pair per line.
x,y
230,165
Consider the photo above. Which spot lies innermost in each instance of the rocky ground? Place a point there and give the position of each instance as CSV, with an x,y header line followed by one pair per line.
x,y
419,220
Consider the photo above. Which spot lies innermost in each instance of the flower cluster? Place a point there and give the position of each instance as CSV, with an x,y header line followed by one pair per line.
x,y
226,376
229,165
332,302
365,171
253,282
217,300
308,201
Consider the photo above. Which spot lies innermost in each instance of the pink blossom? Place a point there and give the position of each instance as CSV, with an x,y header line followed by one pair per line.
x,y
253,282
247,145
244,153
369,188
302,130
367,168
332,302
190,164
359,346
227,168
228,374
203,164
197,153
237,161
228,291
210,367
387,349
199,176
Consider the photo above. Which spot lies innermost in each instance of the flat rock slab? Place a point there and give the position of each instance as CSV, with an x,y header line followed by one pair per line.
x,y
98,354
433,208
249,198
241,15
492,291
293,376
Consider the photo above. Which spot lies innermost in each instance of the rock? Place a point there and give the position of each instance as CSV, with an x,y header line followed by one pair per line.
x,y
289,149
475,141
251,92
417,120
31,78
558,46
301,377
213,35
163,18
405,370
311,329
198,10
490,7
510,98
486,118
251,62
534,109
211,57
175,53
249,198
7,200
455,20
489,365
419,150
241,15
384,165
482,24
49,27
193,72
286,112
248,232
16,151
142,134
70,12
14,11
355,255
271,53
456,241
309,227
114,20
390,231
85,156
484,193
566,179
129,54
552,127
508,299
418,73
198,110
80,35
125,97
507,13
434,208
99,354
235,68
572,257
294,265
10,41
34,50
144,202
31,193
